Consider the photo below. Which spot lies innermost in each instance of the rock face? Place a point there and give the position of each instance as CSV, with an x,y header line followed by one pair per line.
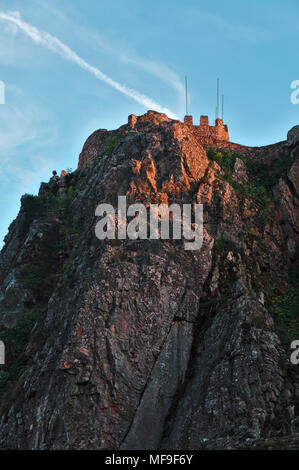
x,y
141,344
293,136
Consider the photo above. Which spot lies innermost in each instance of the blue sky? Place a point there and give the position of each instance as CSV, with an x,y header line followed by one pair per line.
x,y
53,103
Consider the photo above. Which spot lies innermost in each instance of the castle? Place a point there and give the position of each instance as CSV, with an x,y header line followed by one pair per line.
x,y
209,135
214,136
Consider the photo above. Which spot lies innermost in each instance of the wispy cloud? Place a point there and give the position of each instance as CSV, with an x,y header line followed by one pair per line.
x,y
153,67
55,45
232,30
20,122
119,49
22,127
54,10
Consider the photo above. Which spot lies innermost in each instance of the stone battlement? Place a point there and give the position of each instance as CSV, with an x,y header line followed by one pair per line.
x,y
208,134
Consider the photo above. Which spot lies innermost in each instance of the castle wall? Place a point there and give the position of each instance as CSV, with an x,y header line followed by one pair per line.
x,y
209,135
188,120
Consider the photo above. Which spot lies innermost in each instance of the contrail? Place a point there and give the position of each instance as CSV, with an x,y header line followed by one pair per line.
x,y
55,45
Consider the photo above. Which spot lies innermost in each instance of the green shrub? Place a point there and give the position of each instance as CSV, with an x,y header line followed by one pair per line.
x,y
16,339
224,158
33,208
261,172
39,278
258,188
52,202
284,307
111,143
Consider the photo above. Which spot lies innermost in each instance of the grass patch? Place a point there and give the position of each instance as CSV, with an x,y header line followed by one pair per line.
x,y
110,145
226,160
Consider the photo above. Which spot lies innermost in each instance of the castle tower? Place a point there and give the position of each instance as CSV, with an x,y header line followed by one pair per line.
x,y
204,121
221,130
188,120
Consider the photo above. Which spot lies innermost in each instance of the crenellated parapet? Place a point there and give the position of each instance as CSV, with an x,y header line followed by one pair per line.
x,y
208,134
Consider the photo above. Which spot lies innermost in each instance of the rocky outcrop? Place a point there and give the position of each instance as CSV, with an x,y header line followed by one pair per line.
x,y
141,344
293,136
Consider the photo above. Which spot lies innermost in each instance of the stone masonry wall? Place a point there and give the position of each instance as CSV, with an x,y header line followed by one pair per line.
x,y
208,134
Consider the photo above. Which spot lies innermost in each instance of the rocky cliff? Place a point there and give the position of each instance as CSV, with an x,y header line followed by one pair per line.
x,y
141,344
